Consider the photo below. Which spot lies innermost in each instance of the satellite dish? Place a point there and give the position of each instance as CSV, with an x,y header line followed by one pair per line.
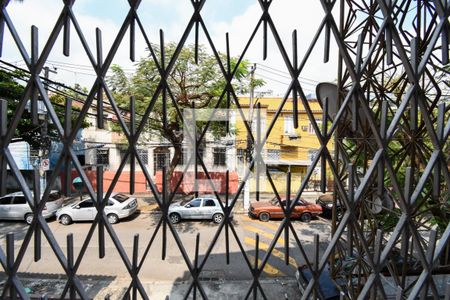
x,y
377,206
78,184
330,91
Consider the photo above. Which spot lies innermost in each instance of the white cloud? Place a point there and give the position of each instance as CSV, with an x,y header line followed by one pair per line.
x,y
305,17
173,16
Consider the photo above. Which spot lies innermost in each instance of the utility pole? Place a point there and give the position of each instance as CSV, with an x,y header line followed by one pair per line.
x,y
249,148
44,151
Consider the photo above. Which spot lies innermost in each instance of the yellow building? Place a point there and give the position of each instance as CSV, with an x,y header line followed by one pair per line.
x,y
286,148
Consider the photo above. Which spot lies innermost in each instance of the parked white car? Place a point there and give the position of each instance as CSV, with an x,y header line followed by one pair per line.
x,y
205,207
119,206
14,206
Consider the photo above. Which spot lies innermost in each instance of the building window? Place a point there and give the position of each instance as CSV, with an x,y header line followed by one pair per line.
x,y
122,152
200,153
240,154
143,154
81,159
160,160
102,156
311,128
220,157
312,154
186,154
183,157
289,125
262,129
273,154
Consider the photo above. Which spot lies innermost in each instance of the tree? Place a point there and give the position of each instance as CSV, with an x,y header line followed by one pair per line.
x,y
12,91
201,84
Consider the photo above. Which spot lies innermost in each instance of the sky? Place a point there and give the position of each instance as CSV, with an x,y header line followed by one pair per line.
x,y
236,17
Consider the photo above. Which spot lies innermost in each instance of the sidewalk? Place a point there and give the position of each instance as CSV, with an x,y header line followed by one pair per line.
x,y
99,287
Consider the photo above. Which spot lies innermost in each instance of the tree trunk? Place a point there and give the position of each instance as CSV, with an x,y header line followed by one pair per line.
x,y
173,164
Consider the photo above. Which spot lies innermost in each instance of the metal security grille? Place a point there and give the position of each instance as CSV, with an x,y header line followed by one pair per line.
x,y
388,115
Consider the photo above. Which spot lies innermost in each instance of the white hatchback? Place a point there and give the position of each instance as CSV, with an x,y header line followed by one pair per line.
x,y
206,207
15,207
119,206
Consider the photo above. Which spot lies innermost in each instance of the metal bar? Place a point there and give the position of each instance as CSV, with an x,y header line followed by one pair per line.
x,y
37,229
3,129
163,63
227,234
323,163
294,88
98,38
67,162
133,153
132,39
288,217
34,59
101,203
10,264
135,263
164,204
70,266
2,28
66,36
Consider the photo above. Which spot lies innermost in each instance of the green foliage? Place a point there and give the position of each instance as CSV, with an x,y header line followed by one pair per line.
x,y
388,220
37,136
201,83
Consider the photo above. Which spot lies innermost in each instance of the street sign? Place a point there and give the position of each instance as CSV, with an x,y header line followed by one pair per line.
x,y
78,184
45,164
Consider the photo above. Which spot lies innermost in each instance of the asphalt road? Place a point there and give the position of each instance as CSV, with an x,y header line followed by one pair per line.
x,y
173,268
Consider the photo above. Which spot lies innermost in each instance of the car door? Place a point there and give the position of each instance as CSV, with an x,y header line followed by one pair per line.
x,y
192,209
276,211
299,209
5,207
19,208
84,211
208,208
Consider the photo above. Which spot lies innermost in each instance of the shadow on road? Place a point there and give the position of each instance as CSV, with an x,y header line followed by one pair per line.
x,y
192,226
17,227
52,285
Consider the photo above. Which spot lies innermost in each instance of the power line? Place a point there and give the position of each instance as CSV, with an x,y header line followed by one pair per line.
x,y
79,66
284,83
285,74
301,81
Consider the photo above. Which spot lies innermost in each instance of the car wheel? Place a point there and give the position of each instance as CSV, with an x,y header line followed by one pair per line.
x,y
113,218
306,217
174,218
218,218
29,218
264,217
65,219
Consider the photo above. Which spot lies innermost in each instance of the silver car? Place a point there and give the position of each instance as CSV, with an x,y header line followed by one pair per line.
x,y
119,206
199,208
15,207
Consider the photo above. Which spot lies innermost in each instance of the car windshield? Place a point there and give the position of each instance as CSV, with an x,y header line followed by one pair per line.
x,y
54,196
120,197
274,201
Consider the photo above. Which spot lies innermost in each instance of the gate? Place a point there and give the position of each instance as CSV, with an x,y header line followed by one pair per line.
x,y
383,141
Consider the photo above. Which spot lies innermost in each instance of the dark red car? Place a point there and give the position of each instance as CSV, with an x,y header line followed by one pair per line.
x,y
264,211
